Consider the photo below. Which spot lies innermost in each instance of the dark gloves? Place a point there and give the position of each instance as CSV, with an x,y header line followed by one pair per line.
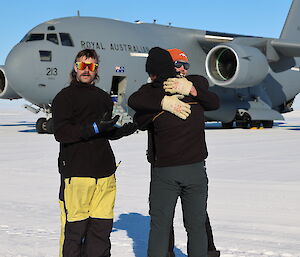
x,y
105,124
102,125
126,130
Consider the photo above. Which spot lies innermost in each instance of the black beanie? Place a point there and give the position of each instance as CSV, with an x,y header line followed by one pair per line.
x,y
160,63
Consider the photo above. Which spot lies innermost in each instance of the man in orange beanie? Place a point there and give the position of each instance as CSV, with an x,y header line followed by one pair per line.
x,y
173,115
181,64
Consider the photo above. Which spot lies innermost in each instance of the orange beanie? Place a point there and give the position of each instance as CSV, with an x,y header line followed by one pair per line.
x,y
178,55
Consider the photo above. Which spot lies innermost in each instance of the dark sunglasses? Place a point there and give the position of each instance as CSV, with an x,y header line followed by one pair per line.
x,y
83,65
185,65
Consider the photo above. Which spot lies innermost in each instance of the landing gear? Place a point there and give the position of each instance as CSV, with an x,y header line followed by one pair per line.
x,y
44,126
255,123
49,126
246,124
40,126
227,125
267,123
242,124
244,120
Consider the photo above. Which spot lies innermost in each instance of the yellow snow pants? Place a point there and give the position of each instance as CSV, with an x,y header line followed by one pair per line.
x,y
86,198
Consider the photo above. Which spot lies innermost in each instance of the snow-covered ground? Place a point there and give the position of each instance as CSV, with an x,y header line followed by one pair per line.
x,y
254,191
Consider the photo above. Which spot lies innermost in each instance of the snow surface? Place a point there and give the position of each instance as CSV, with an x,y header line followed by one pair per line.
x,y
254,191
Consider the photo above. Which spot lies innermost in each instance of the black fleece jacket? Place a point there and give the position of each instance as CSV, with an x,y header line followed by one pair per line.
x,y
173,141
73,108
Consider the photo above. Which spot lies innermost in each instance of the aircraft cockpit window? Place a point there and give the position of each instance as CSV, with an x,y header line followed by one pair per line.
x,y
35,37
66,39
52,38
45,56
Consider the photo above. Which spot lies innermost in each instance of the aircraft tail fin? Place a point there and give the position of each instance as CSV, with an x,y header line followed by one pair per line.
x,y
291,28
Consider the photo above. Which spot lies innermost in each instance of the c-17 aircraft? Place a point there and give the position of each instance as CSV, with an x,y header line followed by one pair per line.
x,y
256,78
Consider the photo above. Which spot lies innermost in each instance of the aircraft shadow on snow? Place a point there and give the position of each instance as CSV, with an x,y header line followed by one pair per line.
x,y
22,124
137,227
284,125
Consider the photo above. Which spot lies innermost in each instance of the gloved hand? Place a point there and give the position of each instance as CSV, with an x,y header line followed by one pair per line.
x,y
174,105
105,124
126,130
101,125
178,85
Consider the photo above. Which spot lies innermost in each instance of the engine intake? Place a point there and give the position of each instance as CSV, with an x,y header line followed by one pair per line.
x,y
6,92
236,66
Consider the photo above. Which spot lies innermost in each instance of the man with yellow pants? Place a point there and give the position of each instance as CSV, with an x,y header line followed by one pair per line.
x,y
83,124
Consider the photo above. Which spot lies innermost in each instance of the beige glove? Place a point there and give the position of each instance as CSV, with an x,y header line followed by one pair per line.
x,y
178,85
174,105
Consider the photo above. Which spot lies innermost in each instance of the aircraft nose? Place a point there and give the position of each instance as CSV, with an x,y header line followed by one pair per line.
x,y
22,68
19,67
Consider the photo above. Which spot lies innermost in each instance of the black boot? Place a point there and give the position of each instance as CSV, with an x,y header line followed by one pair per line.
x,y
213,253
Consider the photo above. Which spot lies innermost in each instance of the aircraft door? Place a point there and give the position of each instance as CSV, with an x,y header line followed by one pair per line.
x,y
118,89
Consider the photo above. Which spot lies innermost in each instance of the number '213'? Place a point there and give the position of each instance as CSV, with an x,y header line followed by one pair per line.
x,y
51,72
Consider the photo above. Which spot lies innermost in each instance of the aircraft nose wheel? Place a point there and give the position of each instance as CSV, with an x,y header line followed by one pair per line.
x,y
44,126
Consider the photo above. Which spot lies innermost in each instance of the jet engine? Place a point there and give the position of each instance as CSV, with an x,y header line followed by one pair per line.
x,y
236,66
6,92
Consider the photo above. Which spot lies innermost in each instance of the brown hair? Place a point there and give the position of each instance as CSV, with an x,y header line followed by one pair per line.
x,y
88,53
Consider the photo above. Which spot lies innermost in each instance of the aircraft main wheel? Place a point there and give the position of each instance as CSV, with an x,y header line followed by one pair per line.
x,y
49,126
41,126
241,124
227,125
255,123
267,123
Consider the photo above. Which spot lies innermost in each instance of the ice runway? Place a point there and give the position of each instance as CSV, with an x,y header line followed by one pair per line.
x,y
254,191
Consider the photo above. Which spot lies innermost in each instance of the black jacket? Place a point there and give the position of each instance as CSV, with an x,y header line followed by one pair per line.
x,y
73,108
173,141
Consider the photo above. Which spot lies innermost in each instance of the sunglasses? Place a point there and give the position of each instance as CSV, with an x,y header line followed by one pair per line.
x,y
83,65
185,65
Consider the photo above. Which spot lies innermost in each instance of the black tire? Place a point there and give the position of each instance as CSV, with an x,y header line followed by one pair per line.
x,y
227,125
255,123
40,126
242,124
267,123
49,126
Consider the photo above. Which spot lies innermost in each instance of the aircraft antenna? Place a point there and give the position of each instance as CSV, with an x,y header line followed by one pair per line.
x,y
78,13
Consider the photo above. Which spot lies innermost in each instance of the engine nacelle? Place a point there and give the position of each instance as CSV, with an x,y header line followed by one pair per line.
x,y
6,92
236,66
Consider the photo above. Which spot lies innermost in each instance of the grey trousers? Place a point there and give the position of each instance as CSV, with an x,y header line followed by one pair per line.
x,y
189,182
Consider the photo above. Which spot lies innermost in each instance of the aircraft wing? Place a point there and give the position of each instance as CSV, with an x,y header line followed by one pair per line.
x,y
285,48
271,48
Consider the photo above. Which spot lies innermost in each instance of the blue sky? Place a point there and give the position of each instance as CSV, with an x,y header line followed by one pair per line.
x,y
256,17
